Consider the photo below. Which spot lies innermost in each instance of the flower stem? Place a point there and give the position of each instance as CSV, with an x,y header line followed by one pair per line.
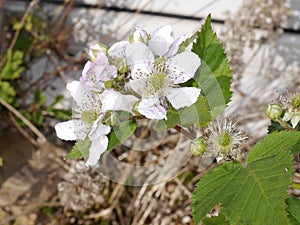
x,y
185,132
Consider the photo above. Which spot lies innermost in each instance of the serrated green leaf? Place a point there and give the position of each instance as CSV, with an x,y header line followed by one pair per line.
x,y
80,149
293,210
214,74
120,133
216,220
254,193
7,92
197,114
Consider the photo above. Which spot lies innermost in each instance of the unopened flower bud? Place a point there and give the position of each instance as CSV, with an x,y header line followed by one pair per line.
x,y
108,84
295,102
94,49
273,111
198,146
139,34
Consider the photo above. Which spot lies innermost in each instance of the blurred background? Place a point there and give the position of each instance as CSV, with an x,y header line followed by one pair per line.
x,y
44,45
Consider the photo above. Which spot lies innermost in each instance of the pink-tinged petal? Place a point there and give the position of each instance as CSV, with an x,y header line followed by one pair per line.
x,y
182,97
98,146
71,130
182,67
113,100
151,109
117,50
161,40
139,34
175,46
95,73
140,60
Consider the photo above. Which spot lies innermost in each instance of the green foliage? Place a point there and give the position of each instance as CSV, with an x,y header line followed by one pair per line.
x,y
214,74
213,77
251,193
7,92
120,133
12,67
80,149
293,210
1,162
216,220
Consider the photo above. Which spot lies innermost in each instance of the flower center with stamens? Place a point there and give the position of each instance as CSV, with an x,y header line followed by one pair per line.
x,y
89,116
158,82
224,139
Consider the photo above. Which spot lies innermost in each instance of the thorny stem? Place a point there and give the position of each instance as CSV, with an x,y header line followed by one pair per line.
x,y
185,132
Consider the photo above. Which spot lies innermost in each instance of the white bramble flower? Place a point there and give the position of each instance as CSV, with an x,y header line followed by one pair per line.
x,y
87,115
224,139
157,70
95,73
292,107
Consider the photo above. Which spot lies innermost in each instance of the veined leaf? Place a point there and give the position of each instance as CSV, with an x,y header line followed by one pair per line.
x,y
213,77
254,193
120,132
80,149
216,220
293,210
214,74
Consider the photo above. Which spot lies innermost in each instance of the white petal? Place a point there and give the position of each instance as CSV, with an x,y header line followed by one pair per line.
x,y
182,67
118,49
98,130
287,116
97,147
113,100
138,86
151,109
73,86
175,46
85,99
71,130
182,97
295,120
140,60
161,40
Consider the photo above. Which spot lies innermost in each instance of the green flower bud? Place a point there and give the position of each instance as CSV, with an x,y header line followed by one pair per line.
x,y
94,49
198,146
108,84
273,111
296,101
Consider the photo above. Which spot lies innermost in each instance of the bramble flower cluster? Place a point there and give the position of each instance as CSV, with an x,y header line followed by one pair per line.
x,y
222,140
143,76
286,111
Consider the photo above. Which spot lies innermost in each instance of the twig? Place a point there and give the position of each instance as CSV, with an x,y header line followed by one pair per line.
x,y
41,138
185,132
16,35
22,131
